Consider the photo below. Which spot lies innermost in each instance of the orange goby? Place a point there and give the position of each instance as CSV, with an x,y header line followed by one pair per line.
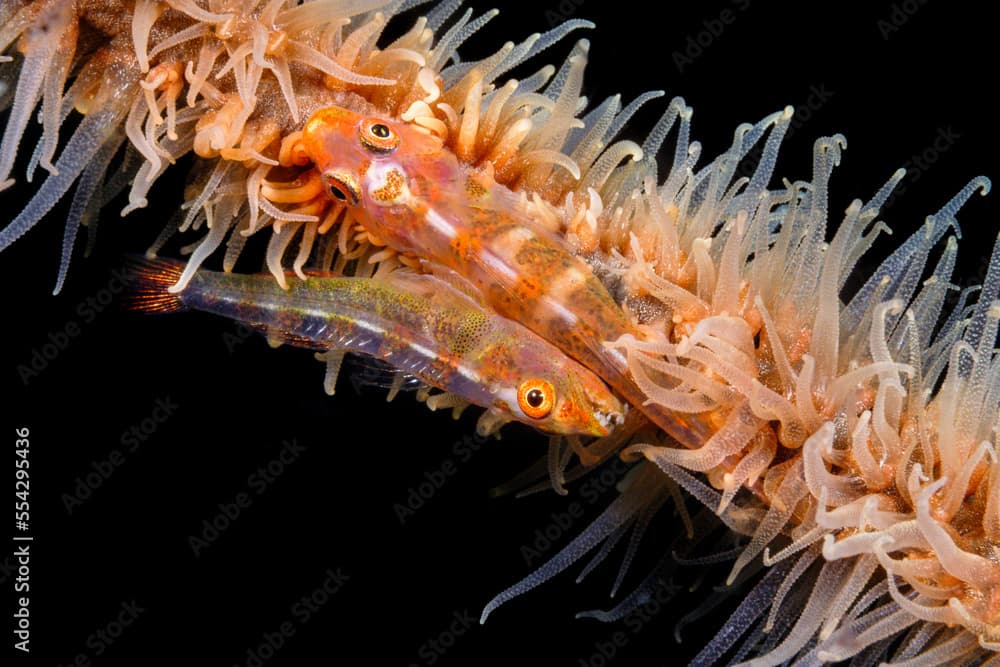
x,y
414,195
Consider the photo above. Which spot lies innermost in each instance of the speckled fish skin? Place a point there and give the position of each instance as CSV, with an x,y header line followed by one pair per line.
x,y
420,325
417,198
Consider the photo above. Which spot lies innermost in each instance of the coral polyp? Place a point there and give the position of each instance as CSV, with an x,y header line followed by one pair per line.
x,y
845,420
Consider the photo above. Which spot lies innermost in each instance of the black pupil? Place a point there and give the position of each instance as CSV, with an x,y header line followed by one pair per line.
x,y
380,131
338,193
535,398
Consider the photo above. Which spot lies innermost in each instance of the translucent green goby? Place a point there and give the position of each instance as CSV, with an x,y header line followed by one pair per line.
x,y
418,324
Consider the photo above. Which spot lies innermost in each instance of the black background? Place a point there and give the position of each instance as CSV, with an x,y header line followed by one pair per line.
x,y
891,92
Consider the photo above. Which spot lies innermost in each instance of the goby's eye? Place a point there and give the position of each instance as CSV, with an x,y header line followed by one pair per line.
x,y
536,398
342,187
378,137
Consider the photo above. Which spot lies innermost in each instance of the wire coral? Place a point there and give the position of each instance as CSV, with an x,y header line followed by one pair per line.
x,y
855,427
218,82
869,427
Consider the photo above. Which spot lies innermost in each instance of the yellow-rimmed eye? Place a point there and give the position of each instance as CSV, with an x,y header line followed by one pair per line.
x,y
342,186
536,398
378,137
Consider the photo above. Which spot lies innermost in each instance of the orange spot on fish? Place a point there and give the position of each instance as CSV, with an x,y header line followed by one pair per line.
x,y
474,189
392,188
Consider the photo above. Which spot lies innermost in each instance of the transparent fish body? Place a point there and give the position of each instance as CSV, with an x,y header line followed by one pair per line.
x,y
416,323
